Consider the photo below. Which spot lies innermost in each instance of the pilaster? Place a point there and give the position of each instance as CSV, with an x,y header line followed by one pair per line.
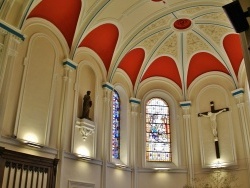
x,y
135,110
10,38
238,94
69,66
188,136
106,152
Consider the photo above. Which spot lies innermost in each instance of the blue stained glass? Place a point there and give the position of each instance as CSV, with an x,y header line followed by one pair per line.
x,y
116,126
158,142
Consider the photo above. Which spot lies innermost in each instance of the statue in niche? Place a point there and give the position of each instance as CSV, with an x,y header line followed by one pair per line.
x,y
87,103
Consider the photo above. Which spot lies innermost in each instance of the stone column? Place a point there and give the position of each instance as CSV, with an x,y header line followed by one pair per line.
x,y
239,96
188,138
135,108
7,6
69,66
10,38
106,141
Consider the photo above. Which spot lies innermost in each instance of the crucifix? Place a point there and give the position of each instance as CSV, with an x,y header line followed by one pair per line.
x,y
212,115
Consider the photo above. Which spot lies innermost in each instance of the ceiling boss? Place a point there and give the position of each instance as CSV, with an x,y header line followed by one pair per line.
x,y
182,23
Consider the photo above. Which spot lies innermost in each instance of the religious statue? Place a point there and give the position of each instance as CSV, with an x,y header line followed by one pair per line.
x,y
87,103
212,117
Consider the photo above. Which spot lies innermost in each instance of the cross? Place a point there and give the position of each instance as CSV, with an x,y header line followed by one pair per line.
x,y
212,115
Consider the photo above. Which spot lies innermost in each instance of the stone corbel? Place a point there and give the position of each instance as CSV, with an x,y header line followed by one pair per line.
x,y
86,127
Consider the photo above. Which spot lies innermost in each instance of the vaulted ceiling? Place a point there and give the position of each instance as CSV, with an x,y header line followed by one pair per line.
x,y
178,40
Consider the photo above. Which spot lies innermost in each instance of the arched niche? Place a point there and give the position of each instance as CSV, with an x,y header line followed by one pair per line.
x,y
86,82
37,95
176,134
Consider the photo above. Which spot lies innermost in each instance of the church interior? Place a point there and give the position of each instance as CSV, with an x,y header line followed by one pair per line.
x,y
124,94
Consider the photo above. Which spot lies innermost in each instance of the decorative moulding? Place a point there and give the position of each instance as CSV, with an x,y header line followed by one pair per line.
x,y
238,92
86,127
107,85
12,30
135,100
69,63
185,104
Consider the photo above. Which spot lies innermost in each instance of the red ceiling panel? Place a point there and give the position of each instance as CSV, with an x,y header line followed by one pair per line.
x,y
63,14
201,63
233,49
102,40
164,67
131,63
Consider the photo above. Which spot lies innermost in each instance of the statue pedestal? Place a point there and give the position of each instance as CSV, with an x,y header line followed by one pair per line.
x,y
86,127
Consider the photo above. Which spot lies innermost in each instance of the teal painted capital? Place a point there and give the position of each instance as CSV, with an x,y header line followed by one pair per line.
x,y
107,85
69,63
134,100
12,31
185,104
237,91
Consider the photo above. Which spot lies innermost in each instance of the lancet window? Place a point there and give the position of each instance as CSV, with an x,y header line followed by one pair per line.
x,y
116,126
158,137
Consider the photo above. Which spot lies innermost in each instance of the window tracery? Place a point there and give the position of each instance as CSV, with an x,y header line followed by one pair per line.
x,y
158,138
116,126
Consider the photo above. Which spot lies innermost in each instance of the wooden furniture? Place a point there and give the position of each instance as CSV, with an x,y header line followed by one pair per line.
x,y
26,171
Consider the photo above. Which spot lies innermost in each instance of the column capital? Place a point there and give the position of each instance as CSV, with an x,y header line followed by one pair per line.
x,y
107,85
68,63
185,104
238,92
12,30
238,95
134,101
107,90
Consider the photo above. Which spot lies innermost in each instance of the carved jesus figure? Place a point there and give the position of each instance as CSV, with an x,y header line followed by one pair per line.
x,y
212,117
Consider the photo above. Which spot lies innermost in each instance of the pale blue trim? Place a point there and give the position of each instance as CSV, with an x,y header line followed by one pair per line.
x,y
238,92
185,104
107,86
12,31
69,64
134,101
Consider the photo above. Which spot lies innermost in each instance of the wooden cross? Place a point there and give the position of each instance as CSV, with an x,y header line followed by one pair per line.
x,y
212,115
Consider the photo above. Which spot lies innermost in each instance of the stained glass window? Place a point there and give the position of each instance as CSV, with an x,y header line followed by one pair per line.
x,y
158,141
116,126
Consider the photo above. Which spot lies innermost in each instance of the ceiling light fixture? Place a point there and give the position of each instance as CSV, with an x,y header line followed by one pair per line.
x,y
161,168
87,158
120,165
32,144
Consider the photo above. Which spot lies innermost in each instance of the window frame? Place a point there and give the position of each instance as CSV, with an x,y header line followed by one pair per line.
x,y
124,128
119,122
174,123
165,113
